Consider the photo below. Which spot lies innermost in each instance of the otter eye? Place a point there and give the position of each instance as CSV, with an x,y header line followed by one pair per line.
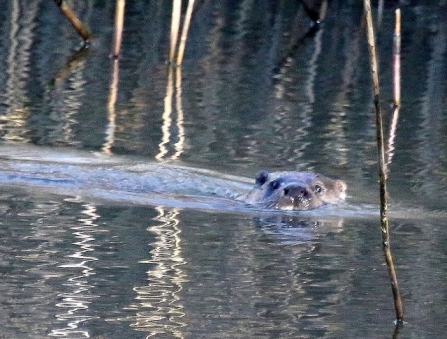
x,y
262,177
318,188
275,184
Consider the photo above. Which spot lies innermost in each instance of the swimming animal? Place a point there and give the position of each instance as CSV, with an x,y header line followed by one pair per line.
x,y
295,190
120,178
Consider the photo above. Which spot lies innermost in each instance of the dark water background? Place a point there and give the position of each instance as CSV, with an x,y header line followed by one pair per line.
x,y
256,92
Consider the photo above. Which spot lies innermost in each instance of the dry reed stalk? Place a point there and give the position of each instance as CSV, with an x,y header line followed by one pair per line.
x,y
396,59
114,76
175,26
382,166
80,28
118,29
181,49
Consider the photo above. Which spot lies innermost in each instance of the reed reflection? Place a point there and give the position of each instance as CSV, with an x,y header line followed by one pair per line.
x,y
74,304
172,132
20,39
158,307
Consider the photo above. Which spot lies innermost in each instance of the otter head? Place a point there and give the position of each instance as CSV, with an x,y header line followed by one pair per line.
x,y
295,190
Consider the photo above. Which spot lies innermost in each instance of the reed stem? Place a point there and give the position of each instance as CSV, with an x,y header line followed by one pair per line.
x,y
181,49
175,26
80,28
382,165
396,59
118,28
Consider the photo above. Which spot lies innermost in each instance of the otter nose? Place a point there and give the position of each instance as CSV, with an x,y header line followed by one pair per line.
x,y
297,191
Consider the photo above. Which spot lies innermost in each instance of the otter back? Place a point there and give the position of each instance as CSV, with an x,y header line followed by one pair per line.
x,y
112,177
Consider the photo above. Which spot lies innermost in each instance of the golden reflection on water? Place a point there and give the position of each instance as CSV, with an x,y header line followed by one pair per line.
x,y
111,113
66,103
167,117
18,62
158,307
74,305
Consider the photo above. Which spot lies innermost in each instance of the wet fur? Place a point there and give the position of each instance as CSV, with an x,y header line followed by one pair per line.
x,y
295,190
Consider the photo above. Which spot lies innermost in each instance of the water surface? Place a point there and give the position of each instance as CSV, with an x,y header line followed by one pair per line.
x,y
256,92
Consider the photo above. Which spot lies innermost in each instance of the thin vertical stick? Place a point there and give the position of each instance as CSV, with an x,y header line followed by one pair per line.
x,y
181,49
118,29
114,76
82,30
382,165
175,26
396,59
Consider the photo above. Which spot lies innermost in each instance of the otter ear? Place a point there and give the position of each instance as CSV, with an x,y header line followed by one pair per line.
x,y
262,177
341,185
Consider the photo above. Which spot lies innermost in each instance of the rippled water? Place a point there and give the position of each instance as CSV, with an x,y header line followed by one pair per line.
x,y
257,90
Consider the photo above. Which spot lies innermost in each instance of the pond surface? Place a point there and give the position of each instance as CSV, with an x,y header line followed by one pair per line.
x,y
257,90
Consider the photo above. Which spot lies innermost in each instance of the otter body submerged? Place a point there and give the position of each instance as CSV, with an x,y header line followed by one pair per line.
x,y
71,172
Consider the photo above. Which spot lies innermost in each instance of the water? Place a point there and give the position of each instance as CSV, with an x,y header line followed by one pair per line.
x,y
256,93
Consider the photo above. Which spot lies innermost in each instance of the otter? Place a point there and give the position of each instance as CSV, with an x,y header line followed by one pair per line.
x,y
295,191
139,181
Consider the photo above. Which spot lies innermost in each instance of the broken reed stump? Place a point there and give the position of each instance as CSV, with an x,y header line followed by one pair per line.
x,y
80,28
396,58
118,28
382,166
186,23
175,27
177,47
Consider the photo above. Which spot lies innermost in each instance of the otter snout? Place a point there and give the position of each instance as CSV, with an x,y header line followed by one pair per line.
x,y
295,191
297,196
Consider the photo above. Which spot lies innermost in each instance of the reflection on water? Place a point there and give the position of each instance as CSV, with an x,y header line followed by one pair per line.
x,y
296,229
74,303
245,282
71,269
65,100
173,90
257,89
22,25
158,308
47,279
